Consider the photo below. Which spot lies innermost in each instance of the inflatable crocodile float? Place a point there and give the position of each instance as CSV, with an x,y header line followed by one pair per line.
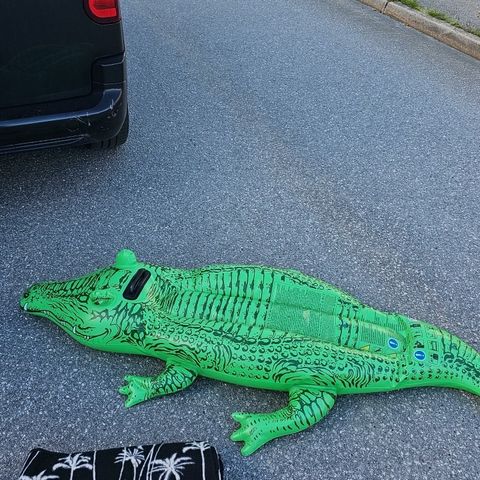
x,y
254,326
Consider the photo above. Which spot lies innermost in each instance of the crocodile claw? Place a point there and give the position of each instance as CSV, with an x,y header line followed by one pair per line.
x,y
253,431
137,390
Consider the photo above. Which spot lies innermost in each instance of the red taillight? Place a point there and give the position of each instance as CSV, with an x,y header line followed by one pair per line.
x,y
103,10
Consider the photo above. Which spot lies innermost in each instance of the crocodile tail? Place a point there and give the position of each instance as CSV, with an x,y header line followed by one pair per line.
x,y
442,359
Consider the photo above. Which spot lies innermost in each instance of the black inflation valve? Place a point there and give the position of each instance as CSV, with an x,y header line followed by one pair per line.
x,y
136,284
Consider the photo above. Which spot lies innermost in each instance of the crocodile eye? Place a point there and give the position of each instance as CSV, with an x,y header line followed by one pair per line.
x,y
101,298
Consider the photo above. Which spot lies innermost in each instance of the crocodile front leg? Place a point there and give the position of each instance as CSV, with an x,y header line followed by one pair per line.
x,y
306,406
173,379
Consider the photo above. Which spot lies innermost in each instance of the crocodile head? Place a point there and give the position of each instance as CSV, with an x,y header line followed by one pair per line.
x,y
102,310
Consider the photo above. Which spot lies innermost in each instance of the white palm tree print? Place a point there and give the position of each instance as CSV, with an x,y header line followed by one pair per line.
x,y
40,476
171,467
202,446
134,456
148,461
74,461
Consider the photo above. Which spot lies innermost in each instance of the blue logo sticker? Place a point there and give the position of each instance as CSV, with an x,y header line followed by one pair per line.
x,y
393,343
420,355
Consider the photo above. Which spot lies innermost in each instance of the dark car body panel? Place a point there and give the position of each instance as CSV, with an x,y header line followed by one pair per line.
x,y
62,75
80,120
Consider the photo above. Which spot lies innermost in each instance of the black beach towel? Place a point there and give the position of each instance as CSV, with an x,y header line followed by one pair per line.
x,y
166,461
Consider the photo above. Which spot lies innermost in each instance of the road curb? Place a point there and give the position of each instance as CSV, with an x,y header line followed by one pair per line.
x,y
446,33
376,4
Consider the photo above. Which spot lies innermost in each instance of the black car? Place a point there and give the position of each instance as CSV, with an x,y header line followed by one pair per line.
x,y
62,74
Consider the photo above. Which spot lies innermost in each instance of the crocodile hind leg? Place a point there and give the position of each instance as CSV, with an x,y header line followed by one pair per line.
x,y
306,406
173,379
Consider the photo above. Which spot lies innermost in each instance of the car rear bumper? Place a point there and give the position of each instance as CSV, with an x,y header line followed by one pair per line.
x,y
90,119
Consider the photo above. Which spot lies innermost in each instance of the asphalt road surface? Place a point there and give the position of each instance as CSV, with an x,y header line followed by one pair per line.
x,y
314,135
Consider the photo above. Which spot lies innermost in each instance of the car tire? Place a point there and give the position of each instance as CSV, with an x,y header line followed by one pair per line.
x,y
116,141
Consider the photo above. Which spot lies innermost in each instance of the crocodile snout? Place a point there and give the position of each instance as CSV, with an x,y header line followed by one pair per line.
x,y
32,299
24,300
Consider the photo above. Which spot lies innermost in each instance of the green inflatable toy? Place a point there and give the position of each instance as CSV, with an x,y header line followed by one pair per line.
x,y
255,326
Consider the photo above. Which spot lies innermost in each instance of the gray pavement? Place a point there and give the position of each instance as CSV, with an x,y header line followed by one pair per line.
x,y
467,12
320,136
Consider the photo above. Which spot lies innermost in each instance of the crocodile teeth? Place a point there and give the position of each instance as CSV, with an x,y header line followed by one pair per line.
x,y
25,307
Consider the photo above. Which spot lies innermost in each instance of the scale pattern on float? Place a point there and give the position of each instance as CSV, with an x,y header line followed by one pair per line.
x,y
255,326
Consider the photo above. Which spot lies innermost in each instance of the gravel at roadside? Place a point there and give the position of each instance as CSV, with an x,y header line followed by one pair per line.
x,y
467,12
